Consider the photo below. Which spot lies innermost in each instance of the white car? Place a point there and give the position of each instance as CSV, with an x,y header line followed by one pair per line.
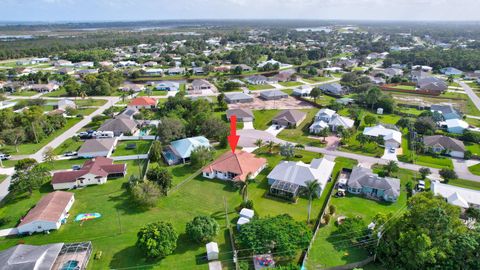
x,y
4,156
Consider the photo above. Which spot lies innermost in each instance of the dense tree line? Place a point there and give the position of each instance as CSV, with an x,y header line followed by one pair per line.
x,y
102,84
31,125
94,55
463,59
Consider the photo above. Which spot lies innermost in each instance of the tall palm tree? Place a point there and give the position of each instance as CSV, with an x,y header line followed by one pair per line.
x,y
270,145
311,191
148,91
390,167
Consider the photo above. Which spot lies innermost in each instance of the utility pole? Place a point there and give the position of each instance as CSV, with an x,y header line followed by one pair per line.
x,y
232,243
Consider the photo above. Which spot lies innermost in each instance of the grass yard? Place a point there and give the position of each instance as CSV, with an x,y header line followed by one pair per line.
x,y
30,148
330,250
439,162
301,133
141,147
368,149
90,102
290,84
2,177
475,169
65,164
412,111
259,86
69,145
472,147
153,94
471,109
25,93
263,118
321,79
61,92
466,183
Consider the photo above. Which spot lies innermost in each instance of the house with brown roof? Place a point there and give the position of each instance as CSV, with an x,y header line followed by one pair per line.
x,y
97,148
289,118
93,172
242,114
142,103
119,126
235,166
49,213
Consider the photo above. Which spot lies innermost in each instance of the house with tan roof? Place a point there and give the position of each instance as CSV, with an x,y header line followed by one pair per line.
x,y
119,126
49,213
142,103
235,166
289,118
93,172
97,148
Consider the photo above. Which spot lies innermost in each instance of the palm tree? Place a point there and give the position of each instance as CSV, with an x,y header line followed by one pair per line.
x,y
362,139
311,191
390,167
148,91
270,145
323,133
259,143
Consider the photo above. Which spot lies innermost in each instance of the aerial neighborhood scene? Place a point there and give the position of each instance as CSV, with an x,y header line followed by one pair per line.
x,y
293,135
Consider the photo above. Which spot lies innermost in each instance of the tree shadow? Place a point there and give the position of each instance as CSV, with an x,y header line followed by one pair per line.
x,y
125,259
123,204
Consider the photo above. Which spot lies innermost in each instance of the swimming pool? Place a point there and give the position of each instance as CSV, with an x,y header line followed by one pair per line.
x,y
143,132
70,265
170,157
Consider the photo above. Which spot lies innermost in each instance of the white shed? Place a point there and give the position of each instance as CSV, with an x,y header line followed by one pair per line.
x,y
212,251
242,221
247,213
379,110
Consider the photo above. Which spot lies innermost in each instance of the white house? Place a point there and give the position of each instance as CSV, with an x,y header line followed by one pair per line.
x,y
329,118
49,213
456,126
461,197
392,138
302,90
65,103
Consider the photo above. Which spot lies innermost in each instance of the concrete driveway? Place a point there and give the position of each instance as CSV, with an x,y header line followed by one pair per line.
x,y
274,130
248,137
390,156
248,125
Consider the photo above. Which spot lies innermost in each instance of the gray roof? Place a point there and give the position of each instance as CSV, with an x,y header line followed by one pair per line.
x,y
119,124
28,257
240,113
238,96
200,83
334,88
273,93
432,83
364,177
97,145
443,108
446,142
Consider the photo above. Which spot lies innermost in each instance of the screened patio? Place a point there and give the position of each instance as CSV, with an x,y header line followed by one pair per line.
x,y
284,189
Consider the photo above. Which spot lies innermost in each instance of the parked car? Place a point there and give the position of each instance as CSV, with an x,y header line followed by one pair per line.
x,y
4,156
76,167
70,153
391,150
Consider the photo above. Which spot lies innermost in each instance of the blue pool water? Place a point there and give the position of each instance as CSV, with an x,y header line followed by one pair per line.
x,y
170,156
143,132
70,265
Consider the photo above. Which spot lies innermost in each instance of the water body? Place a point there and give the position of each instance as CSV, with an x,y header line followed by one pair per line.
x,y
314,29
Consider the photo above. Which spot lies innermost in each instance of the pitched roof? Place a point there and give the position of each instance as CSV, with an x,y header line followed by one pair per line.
x,y
119,124
456,195
97,145
200,83
184,147
49,208
99,166
291,116
240,163
273,93
143,101
445,141
238,96
364,177
381,130
27,257
240,113
299,173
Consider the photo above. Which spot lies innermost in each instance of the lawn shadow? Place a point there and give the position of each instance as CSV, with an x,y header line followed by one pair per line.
x,y
125,205
130,258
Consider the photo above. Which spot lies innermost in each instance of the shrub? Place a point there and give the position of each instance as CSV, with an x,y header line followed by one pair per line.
x,y
4,220
332,209
326,218
202,229
157,240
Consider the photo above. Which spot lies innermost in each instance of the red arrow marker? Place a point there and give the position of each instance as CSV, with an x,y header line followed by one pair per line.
x,y
233,137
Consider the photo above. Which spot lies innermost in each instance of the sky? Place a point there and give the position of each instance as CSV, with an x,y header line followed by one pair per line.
x,y
135,10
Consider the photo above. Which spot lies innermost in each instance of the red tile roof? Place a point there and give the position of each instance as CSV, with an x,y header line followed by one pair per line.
x,y
99,166
240,162
143,101
49,208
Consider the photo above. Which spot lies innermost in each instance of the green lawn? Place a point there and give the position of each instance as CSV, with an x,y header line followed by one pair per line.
x,y
142,147
473,147
115,232
61,92
65,164
154,93
439,162
300,134
68,145
321,79
259,86
330,250
471,109
263,118
404,87
465,183
2,177
290,84
30,148
25,93
368,149
410,110
475,169
90,102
